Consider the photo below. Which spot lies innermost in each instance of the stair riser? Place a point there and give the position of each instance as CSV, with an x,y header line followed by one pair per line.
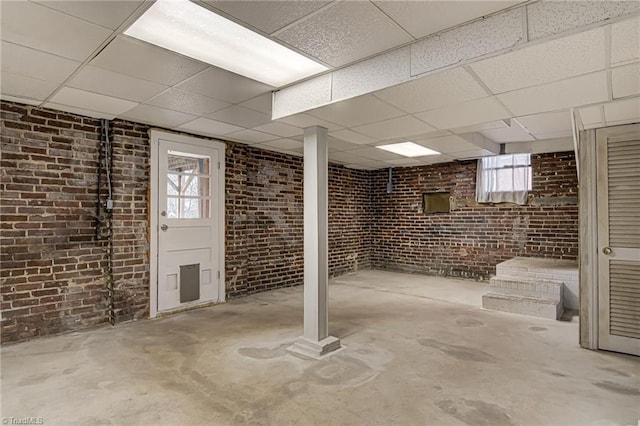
x,y
540,310
547,290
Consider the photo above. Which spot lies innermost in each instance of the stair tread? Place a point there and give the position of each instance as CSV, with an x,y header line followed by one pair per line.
x,y
528,280
518,297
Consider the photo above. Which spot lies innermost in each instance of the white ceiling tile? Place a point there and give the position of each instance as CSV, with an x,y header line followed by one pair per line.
x,y
508,134
279,129
157,116
267,16
447,144
302,96
79,111
440,89
473,154
591,116
337,145
403,162
435,159
187,102
405,126
283,144
352,137
210,127
240,116
543,63
92,101
479,127
261,103
305,120
421,18
346,157
374,153
473,112
356,112
625,41
251,136
136,58
32,63
625,80
624,111
549,125
18,99
577,91
48,30
26,87
342,33
122,86
110,14
224,85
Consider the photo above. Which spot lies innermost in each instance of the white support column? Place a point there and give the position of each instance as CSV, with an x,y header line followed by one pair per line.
x,y
316,341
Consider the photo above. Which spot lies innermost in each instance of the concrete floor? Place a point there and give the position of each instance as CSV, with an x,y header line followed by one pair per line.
x,y
419,351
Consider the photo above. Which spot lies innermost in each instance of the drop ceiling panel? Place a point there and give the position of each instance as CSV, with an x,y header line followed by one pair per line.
x,y
338,145
342,33
543,63
621,112
625,80
625,41
549,125
187,102
240,116
48,30
373,153
267,16
447,144
210,127
466,114
26,87
32,63
261,103
224,85
352,137
444,88
479,127
394,128
356,112
305,120
92,101
515,133
472,154
280,129
577,91
142,60
421,18
157,116
79,111
284,144
110,14
251,136
122,86
591,116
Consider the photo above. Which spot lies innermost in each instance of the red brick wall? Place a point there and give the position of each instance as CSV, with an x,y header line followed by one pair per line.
x,y
52,267
471,239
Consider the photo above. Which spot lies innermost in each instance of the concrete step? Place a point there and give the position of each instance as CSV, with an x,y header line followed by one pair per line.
x,y
523,305
524,286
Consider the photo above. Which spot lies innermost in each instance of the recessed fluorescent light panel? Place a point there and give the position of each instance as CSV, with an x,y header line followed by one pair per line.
x,y
196,32
408,149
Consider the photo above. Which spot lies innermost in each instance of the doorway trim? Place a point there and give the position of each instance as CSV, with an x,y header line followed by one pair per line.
x,y
155,135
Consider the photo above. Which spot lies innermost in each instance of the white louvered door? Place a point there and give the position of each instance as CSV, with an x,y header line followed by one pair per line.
x,y
618,195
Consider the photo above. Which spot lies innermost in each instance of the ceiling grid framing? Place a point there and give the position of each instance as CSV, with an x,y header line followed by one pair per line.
x,y
601,15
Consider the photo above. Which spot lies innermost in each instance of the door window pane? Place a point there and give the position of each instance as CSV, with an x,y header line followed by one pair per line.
x,y
188,186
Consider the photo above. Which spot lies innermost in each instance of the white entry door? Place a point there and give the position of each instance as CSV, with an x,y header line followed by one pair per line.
x,y
618,193
188,221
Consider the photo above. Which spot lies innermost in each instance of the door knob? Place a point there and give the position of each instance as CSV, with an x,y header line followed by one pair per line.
x,y
164,227
607,251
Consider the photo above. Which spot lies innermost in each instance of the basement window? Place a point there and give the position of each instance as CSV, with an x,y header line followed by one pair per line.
x,y
504,179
